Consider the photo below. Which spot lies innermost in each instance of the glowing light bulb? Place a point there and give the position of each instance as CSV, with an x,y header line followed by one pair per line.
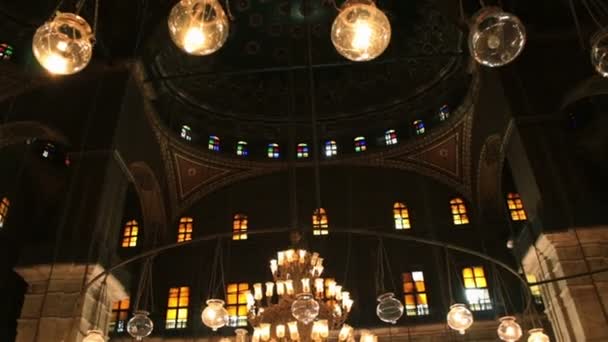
x,y
56,64
194,39
362,36
494,42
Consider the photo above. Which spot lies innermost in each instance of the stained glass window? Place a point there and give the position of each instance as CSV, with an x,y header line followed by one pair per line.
x,y
6,51
241,149
320,224
516,207
360,144
130,233
184,230
177,308
444,113
186,133
120,315
419,127
331,148
302,151
273,151
214,143
4,206
414,294
401,216
459,211
535,289
239,227
390,137
476,288
236,304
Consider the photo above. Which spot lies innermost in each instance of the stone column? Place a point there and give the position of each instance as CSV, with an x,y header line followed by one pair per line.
x,y
55,308
576,307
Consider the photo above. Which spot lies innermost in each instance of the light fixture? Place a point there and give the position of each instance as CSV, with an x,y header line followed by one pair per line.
x,y
140,325
459,318
509,330
360,32
496,37
199,27
215,315
599,52
240,335
305,308
538,335
389,309
94,336
64,44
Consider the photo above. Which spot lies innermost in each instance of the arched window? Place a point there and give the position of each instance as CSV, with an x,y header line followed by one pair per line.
x,y
184,230
459,211
516,207
390,137
120,315
186,133
273,151
476,288
331,148
177,308
419,127
214,143
130,233
414,293
401,216
320,224
360,144
4,206
239,227
444,113
241,149
6,51
302,151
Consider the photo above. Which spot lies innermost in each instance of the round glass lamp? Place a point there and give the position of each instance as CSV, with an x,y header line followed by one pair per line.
x,y
496,37
305,308
140,325
64,45
509,330
538,335
389,309
360,32
199,27
94,336
215,315
599,52
459,318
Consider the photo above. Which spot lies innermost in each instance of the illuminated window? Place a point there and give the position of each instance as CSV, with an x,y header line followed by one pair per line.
x,y
516,207
390,137
459,211
214,143
419,127
239,227
236,304
401,216
48,151
360,144
320,225
273,151
129,236
331,149
476,288
414,294
444,113
535,289
4,205
184,231
186,133
120,316
177,308
241,149
302,151
6,51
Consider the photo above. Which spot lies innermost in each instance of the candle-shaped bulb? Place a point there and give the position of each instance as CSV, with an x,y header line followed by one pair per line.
x,y
280,287
330,289
269,289
257,291
338,292
281,258
306,285
289,287
280,330
293,330
319,287
302,255
274,267
290,255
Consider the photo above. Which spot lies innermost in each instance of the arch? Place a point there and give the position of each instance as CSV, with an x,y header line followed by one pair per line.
x,y
22,131
150,198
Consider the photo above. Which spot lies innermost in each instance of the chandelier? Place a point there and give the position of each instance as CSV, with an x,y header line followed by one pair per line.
x,y
306,306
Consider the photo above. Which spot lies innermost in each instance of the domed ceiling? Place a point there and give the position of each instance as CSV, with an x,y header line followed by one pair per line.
x,y
244,90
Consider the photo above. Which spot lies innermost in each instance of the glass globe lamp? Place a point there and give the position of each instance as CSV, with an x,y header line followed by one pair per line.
x,y
64,45
198,27
389,308
305,308
215,315
360,32
94,336
538,335
496,38
509,330
459,318
599,52
140,325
